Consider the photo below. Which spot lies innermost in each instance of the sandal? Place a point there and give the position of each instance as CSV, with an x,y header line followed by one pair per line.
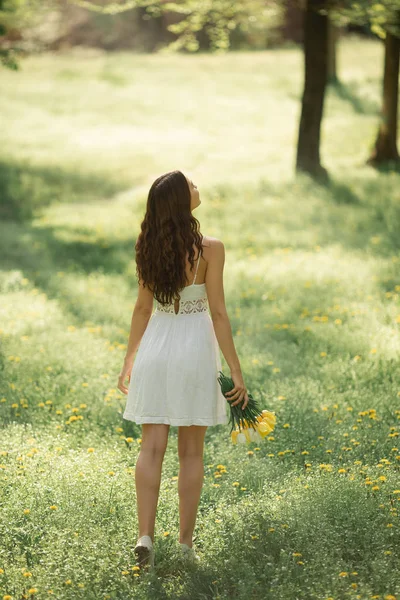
x,y
144,552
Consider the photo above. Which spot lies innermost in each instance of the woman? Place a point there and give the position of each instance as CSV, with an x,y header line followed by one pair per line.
x,y
173,380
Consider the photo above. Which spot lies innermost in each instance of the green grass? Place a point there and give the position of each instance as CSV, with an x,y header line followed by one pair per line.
x,y
312,287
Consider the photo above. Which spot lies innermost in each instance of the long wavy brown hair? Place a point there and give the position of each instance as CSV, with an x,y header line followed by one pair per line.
x,y
168,232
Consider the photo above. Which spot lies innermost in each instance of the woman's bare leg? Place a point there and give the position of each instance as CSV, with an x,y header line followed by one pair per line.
x,y
191,476
148,474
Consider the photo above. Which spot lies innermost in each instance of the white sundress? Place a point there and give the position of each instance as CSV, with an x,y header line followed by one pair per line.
x,y
174,374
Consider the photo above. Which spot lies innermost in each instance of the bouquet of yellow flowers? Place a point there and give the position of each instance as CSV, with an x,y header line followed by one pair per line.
x,y
251,424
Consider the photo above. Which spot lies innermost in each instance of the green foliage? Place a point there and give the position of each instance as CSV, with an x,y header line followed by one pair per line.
x,y
381,16
112,8
21,15
8,58
218,19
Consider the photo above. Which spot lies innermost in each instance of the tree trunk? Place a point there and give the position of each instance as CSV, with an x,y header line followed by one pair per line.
x,y
315,80
386,142
333,37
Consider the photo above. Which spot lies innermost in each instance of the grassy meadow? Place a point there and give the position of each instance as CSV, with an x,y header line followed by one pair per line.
x,y
312,286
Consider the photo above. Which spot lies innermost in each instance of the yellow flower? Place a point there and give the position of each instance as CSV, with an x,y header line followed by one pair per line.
x,y
264,429
268,417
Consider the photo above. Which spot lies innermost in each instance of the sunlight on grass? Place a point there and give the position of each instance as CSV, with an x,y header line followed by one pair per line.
x,y
312,289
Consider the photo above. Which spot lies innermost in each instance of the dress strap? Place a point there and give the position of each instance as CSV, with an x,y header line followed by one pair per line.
x,y
197,266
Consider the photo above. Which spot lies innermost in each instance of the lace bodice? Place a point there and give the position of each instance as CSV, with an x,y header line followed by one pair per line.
x,y
197,302
193,299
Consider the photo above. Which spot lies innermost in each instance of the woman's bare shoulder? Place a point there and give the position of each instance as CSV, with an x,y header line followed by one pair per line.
x,y
213,249
211,242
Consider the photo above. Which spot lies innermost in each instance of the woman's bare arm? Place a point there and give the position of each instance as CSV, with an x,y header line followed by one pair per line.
x,y
222,327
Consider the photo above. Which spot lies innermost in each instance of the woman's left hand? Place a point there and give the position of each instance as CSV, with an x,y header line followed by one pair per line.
x,y
125,373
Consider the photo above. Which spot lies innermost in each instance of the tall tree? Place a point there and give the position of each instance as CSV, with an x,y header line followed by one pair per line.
x,y
333,38
315,80
383,18
385,148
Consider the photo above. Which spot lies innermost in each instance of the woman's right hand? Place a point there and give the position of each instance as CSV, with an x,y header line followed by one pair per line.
x,y
239,392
